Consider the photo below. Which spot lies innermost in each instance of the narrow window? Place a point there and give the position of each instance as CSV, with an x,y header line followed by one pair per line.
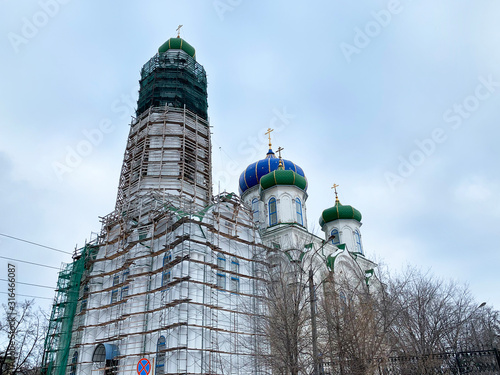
x,y
357,238
298,208
221,280
255,209
161,346
273,214
74,360
235,284
221,267
336,239
114,293
235,280
235,265
166,275
124,280
221,261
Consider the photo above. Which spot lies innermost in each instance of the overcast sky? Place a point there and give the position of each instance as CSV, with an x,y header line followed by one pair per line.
x,y
395,101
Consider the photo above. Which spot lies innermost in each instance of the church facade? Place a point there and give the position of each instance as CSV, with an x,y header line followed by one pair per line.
x,y
174,282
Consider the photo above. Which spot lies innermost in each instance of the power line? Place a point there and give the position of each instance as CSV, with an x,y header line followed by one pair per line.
x,y
24,261
24,295
41,286
36,244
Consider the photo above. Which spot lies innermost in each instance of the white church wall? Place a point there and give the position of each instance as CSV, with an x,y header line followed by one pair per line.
x,y
140,319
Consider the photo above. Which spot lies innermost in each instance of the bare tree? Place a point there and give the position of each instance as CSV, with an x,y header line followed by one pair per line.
x,y
483,328
436,316
356,322
22,337
285,323
360,327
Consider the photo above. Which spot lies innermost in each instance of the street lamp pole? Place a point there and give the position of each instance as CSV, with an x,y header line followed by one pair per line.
x,y
313,322
312,296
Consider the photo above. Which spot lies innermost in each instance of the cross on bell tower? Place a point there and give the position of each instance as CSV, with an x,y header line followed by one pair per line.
x,y
335,186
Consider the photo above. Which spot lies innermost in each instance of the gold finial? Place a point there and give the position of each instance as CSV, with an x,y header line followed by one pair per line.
x,y
280,166
268,133
179,31
335,186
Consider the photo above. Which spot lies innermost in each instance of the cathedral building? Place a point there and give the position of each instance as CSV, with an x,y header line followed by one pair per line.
x,y
173,283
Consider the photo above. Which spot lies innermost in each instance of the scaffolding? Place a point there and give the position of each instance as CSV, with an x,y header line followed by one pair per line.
x,y
57,341
173,274
173,78
168,150
166,272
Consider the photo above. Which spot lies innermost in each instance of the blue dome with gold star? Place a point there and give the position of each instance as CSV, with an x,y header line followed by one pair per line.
x,y
251,176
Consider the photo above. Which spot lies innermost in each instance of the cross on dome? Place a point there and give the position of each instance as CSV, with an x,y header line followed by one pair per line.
x,y
280,166
335,186
268,133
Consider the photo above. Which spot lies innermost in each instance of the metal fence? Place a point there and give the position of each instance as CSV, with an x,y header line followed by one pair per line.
x,y
485,362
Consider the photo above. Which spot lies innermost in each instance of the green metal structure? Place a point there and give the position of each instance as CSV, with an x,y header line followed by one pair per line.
x,y
173,78
58,339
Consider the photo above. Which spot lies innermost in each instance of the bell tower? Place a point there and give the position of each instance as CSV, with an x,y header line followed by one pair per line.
x,y
169,149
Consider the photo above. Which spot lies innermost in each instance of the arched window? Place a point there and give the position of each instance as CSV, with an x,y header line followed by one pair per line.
x,y
298,209
105,356
221,261
74,360
166,275
99,355
273,213
357,240
255,209
161,346
221,267
336,239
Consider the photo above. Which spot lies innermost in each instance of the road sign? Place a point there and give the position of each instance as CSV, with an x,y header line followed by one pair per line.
x,y
143,367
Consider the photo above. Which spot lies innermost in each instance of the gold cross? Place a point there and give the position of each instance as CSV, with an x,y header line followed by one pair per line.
x,y
335,186
269,130
280,165
179,31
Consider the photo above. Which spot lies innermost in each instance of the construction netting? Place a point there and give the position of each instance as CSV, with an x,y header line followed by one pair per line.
x,y
57,341
175,79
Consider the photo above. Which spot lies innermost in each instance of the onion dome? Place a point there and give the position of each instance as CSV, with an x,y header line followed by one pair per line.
x,y
337,212
178,43
251,176
283,177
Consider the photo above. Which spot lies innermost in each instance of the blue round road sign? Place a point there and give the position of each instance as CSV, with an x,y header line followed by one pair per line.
x,y
143,367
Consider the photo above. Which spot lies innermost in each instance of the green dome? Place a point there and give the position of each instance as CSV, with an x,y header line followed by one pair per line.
x,y
283,177
338,212
178,43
